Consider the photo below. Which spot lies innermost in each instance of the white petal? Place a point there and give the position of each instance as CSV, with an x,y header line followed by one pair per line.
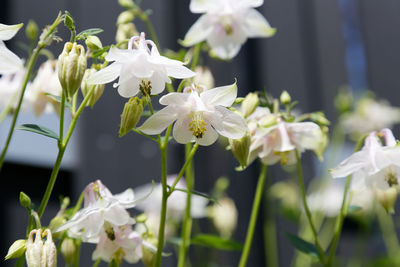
x,y
223,96
121,55
228,123
129,88
181,131
253,3
198,208
159,121
157,82
126,198
255,25
350,165
209,137
199,31
8,31
306,135
9,62
106,75
179,72
201,6
116,215
141,67
389,138
178,99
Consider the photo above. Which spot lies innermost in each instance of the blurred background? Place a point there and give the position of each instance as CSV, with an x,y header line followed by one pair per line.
x,y
319,46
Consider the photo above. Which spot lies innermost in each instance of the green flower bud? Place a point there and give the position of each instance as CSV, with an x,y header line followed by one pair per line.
x,y
55,223
130,115
319,118
93,42
125,17
240,149
149,255
24,200
41,252
68,250
387,198
98,90
16,250
32,30
249,104
124,32
142,218
126,3
285,98
71,68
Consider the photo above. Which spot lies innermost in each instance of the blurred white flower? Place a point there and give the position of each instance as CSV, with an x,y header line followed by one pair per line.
x,y
200,115
224,216
100,207
226,25
10,87
9,62
139,68
327,199
203,77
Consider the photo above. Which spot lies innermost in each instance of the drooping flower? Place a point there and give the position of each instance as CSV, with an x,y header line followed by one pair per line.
x,y
140,68
200,115
100,207
9,62
41,252
226,25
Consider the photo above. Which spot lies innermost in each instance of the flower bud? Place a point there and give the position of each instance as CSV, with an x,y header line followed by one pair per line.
x,y
98,90
319,118
240,149
32,30
130,115
68,250
285,98
93,42
71,68
126,3
125,31
224,216
55,223
249,104
149,254
125,17
142,218
24,200
39,252
16,250
387,198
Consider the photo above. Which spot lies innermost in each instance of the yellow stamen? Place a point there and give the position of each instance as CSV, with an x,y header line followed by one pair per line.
x,y
197,125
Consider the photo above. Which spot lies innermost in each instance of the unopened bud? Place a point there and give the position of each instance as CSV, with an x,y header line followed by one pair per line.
x,y
98,88
319,118
71,67
249,104
125,17
222,184
268,121
130,115
142,218
40,252
68,250
148,253
125,31
24,200
285,98
126,3
240,149
224,216
55,223
387,198
16,250
32,30
93,42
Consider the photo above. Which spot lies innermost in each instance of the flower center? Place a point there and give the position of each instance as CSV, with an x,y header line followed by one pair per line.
x,y
197,125
391,179
145,87
226,22
109,231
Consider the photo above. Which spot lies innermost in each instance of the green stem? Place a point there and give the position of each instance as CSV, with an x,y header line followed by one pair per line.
x,y
62,112
30,65
196,55
187,222
253,216
96,263
388,232
270,235
321,254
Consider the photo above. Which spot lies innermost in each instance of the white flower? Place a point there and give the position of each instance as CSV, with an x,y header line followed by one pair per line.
x,y
9,62
46,81
10,87
199,114
224,216
139,68
119,242
41,252
275,140
226,25
100,207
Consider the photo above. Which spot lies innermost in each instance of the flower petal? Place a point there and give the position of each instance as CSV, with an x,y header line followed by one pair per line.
x,y
8,31
226,46
116,54
106,75
116,215
209,137
158,81
228,123
199,31
255,25
306,135
159,121
178,99
9,62
350,165
181,131
201,6
223,96
129,88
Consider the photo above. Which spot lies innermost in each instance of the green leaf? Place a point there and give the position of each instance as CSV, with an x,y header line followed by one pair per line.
x,y
353,208
217,242
100,52
37,129
84,34
69,21
194,193
303,245
58,99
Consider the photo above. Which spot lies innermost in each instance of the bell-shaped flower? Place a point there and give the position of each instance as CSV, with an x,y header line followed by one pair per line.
x,y
100,207
200,115
118,243
226,25
9,62
140,68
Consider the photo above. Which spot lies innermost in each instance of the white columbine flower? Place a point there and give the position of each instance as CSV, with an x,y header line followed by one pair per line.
x,y
10,87
226,25
9,62
140,68
200,115
100,208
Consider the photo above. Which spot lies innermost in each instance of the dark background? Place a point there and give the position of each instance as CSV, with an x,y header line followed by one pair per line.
x,y
319,46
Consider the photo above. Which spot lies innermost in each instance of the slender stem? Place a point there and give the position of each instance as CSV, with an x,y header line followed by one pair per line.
x,y
96,263
30,65
270,235
145,135
253,216
196,55
187,222
321,254
62,112
389,233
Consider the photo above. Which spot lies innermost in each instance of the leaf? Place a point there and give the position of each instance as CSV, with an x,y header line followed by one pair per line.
x,y
194,193
69,21
353,208
303,245
100,52
58,99
217,242
84,34
38,129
